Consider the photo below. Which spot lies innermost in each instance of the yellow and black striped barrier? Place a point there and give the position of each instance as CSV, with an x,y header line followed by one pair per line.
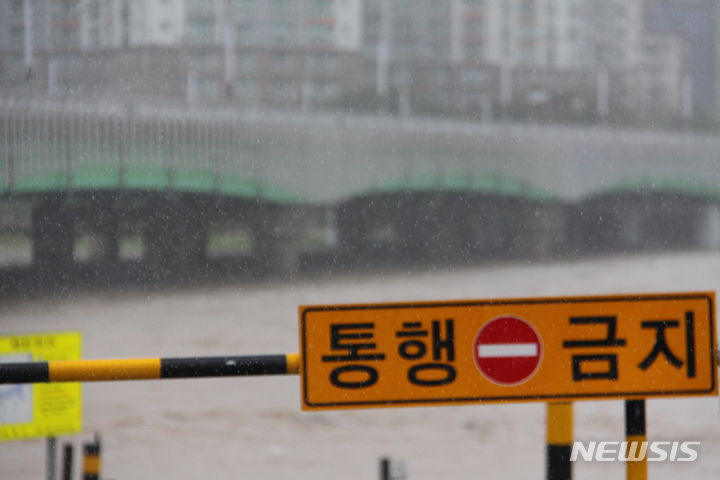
x,y
635,432
148,368
559,440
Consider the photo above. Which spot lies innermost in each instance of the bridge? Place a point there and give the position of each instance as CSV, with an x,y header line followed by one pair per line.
x,y
385,186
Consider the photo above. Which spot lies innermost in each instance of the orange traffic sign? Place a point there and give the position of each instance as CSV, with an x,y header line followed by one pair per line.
x,y
538,349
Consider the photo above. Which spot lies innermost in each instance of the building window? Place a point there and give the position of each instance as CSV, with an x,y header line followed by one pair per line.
x,y
283,62
527,7
207,87
16,31
200,30
320,7
322,62
205,61
320,32
475,76
474,27
324,89
244,31
246,61
282,88
246,87
280,31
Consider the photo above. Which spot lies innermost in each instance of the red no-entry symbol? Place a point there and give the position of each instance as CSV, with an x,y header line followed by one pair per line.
x,y
507,351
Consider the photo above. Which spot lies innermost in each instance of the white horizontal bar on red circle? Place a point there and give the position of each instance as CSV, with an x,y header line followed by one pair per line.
x,y
499,350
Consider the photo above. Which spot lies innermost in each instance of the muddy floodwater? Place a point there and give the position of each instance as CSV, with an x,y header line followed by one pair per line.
x,y
253,428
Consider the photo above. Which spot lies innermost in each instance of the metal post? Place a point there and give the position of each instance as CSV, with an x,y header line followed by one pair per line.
x,y
385,468
51,456
635,432
67,462
91,459
559,440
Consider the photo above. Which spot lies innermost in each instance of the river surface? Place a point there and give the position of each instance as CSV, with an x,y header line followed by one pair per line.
x,y
253,428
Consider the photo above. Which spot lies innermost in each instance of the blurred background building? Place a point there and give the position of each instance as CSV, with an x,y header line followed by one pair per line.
x,y
563,60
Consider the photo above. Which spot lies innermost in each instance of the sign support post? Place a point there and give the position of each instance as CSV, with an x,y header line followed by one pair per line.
x,y
559,440
635,432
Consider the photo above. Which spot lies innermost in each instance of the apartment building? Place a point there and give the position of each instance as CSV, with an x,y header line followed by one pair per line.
x,y
697,24
543,33
272,52
461,54
265,22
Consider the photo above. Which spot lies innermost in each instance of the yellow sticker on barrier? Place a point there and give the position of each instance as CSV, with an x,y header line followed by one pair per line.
x,y
542,349
40,410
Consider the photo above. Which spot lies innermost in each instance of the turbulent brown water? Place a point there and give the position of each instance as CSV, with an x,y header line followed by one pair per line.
x,y
253,428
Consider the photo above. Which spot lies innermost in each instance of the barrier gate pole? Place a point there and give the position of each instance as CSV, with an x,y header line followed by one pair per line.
x,y
559,440
635,432
148,368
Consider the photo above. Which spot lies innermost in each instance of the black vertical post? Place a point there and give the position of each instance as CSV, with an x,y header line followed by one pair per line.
x,y
67,462
384,468
635,432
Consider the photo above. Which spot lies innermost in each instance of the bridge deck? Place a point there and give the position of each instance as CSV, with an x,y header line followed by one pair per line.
x,y
325,159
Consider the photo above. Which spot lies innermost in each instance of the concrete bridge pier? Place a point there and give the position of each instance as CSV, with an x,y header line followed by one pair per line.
x,y
175,237
105,236
544,231
606,224
276,240
707,233
53,235
434,228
